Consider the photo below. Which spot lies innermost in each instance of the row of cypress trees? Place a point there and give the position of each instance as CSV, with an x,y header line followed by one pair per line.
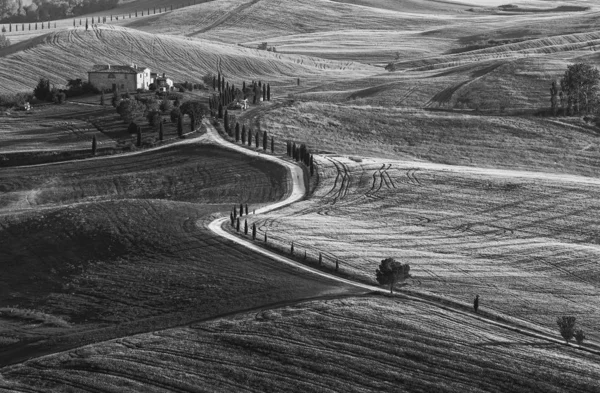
x,y
97,20
301,154
248,136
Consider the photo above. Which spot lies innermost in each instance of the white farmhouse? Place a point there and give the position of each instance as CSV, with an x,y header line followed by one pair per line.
x,y
121,77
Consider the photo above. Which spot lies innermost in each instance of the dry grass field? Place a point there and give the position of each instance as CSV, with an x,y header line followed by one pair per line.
x,y
525,242
359,344
442,160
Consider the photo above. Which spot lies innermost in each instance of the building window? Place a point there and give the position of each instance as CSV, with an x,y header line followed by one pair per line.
x,y
111,76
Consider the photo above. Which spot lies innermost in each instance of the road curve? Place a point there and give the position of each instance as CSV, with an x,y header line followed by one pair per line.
x,y
298,192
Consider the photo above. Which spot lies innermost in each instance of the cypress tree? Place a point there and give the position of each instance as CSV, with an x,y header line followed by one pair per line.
x,y
265,237
241,209
298,81
94,145
234,212
272,145
139,136
86,24
294,151
244,134
237,132
244,87
256,141
223,84
320,259
245,227
264,92
160,132
102,99
312,166
250,137
254,231
238,225
219,82
226,121
265,141
73,24
268,92
180,126
337,265
214,82
246,209
292,249
231,218
220,111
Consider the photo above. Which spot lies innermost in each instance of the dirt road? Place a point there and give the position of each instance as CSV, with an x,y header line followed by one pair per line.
x,y
298,192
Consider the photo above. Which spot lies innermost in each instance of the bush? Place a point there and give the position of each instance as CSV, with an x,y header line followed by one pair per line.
x,y
566,326
175,113
154,118
166,105
579,336
129,109
132,129
4,42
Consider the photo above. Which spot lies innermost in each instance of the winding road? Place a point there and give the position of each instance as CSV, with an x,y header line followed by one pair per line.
x,y
298,192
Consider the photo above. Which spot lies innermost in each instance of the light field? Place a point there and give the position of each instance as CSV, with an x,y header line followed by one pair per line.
x,y
351,345
529,143
70,54
525,243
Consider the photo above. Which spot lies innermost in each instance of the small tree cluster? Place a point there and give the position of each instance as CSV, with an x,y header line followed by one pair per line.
x,y
566,327
301,154
578,90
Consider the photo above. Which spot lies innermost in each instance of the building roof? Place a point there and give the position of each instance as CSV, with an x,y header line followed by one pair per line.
x,y
119,69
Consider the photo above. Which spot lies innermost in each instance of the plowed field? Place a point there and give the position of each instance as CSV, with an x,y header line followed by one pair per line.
x,y
351,345
525,242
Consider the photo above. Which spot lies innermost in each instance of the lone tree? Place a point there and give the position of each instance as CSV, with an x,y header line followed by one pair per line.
x,y
566,326
580,84
94,145
391,272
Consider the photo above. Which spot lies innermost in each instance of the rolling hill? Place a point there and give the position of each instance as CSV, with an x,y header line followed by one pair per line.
x,y
69,54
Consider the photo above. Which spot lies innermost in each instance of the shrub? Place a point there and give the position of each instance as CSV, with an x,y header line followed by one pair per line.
x,y
154,118
129,109
132,129
579,336
4,41
566,326
94,145
166,105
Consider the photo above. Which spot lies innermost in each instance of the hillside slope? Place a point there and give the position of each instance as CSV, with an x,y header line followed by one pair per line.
x,y
71,53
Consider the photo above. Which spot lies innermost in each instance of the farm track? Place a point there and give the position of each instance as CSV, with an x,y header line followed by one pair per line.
x,y
342,172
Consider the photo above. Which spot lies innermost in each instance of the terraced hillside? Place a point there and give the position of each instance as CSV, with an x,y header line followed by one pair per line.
x,y
351,344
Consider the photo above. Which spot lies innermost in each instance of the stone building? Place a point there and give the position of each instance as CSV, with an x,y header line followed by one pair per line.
x,y
124,78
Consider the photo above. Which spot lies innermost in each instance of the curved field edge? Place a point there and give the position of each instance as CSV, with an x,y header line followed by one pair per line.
x,y
515,238
120,245
69,54
355,344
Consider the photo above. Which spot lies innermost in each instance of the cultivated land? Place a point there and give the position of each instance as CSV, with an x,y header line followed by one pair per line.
x,y
358,344
444,163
